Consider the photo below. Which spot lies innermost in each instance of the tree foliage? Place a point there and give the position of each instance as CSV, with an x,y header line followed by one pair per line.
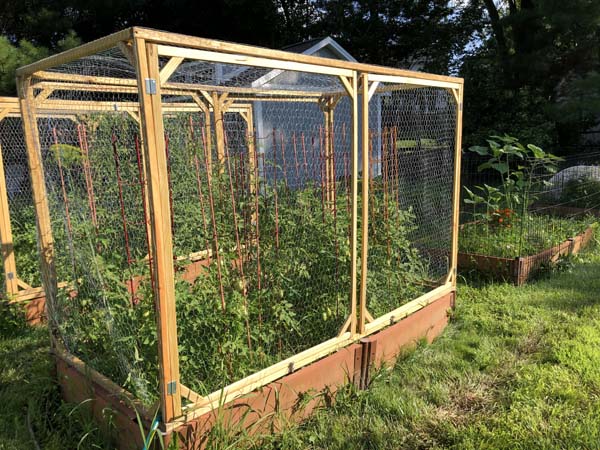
x,y
531,66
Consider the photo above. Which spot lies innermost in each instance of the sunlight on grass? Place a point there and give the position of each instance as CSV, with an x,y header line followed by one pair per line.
x,y
518,368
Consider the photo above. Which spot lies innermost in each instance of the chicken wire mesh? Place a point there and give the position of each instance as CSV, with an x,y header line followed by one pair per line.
x,y
557,200
261,221
91,151
411,166
20,204
259,165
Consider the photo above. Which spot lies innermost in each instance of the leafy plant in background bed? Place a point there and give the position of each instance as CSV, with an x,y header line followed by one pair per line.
x,y
502,224
521,169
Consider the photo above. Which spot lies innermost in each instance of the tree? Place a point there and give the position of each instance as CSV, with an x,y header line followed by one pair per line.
x,y
422,34
14,56
523,78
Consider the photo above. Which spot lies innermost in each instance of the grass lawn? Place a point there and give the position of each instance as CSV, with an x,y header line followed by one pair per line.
x,y
518,368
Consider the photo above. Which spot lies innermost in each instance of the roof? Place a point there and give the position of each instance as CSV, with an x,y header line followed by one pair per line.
x,y
310,47
313,46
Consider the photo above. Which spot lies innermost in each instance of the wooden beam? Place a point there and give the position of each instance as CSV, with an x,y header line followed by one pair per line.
x,y
6,239
77,86
91,48
23,285
365,201
347,82
200,103
191,42
372,89
5,112
44,94
170,68
207,97
258,92
252,61
126,48
162,240
40,196
90,79
134,115
413,80
190,395
458,95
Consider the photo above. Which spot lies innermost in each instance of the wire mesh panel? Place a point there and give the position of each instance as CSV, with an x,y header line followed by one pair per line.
x,y
261,215
18,191
92,158
411,166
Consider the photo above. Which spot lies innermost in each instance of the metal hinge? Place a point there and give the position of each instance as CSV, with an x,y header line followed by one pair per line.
x,y
460,106
10,275
171,387
150,86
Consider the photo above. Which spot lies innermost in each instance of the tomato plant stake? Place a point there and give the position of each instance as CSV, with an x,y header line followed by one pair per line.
x,y
257,220
200,194
238,245
142,182
322,171
275,190
283,157
295,154
123,216
304,154
214,224
83,145
62,183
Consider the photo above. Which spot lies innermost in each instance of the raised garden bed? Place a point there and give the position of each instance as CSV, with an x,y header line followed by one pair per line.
x,y
290,398
520,269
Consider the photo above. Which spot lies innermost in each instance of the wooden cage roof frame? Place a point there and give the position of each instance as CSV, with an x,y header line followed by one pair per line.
x,y
177,47
143,46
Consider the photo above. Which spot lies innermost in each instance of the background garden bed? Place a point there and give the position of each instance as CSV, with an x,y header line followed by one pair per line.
x,y
522,268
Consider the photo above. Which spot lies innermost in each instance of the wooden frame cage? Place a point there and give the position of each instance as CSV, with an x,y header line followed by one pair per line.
x,y
306,144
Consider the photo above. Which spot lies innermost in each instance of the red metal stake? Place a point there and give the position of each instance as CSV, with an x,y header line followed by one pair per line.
x,y
62,183
142,181
134,300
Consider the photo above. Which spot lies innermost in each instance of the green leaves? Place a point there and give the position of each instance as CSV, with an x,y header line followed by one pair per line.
x,y
521,169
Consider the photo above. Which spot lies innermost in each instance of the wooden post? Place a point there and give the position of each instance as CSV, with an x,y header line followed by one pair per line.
x,y
362,314
218,109
40,196
329,149
458,97
250,136
6,239
354,227
148,76
208,140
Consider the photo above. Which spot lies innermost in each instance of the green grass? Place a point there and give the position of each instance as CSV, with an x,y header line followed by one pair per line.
x,y
518,368
31,410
